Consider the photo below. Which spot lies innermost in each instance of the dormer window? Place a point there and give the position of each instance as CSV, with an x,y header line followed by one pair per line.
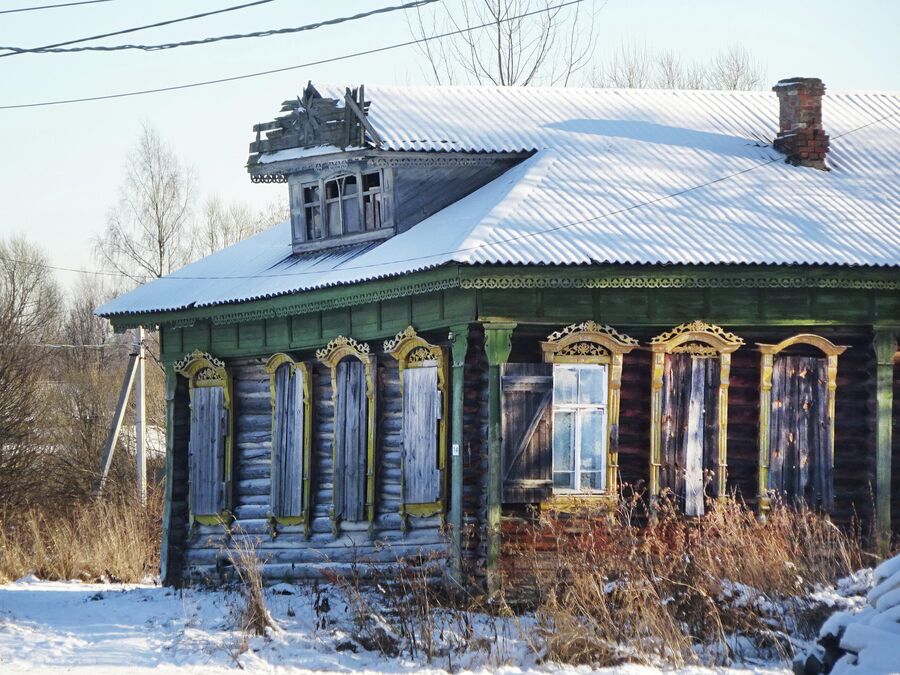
x,y
347,204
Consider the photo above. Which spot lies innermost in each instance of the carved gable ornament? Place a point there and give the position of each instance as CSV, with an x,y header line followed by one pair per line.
x,y
587,342
410,349
341,347
202,369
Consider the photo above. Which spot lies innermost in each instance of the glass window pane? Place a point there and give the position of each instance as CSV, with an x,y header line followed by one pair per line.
x,y
563,480
331,190
592,481
333,211
592,384
349,186
563,440
593,439
314,225
351,215
565,384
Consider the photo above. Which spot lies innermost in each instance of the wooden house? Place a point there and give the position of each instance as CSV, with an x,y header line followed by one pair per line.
x,y
490,299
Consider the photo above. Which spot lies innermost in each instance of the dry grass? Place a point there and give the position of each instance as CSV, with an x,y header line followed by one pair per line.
x,y
115,539
254,617
607,590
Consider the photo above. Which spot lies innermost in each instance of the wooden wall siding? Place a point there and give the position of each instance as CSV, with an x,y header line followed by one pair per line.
x,y
895,455
800,464
475,430
178,526
634,420
208,428
526,424
290,554
743,424
422,190
421,412
351,441
287,446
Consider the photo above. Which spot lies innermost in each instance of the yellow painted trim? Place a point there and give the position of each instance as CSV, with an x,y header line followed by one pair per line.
x,y
576,503
333,353
272,365
700,339
413,351
204,370
593,343
768,352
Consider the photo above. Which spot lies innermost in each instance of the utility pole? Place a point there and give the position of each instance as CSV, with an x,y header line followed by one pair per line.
x,y
140,419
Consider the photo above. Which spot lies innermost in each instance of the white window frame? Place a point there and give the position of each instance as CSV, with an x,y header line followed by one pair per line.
x,y
580,410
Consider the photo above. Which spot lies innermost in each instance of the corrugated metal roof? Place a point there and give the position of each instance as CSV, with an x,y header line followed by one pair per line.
x,y
618,176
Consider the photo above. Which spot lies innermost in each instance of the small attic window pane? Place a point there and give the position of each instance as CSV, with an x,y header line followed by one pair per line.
x,y
314,225
331,189
349,186
311,194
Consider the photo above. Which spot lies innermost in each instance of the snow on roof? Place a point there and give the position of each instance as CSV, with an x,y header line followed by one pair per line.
x,y
617,176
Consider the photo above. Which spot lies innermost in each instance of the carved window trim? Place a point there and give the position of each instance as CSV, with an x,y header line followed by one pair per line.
x,y
768,352
201,369
593,343
413,351
272,365
333,353
705,340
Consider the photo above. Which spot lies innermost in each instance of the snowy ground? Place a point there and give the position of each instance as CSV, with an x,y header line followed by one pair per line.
x,y
114,628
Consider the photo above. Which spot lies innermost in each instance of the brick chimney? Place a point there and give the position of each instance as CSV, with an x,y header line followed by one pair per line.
x,y
801,136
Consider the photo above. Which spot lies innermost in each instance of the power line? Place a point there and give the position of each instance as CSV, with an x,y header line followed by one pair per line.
x,y
18,50
65,4
220,38
526,235
260,73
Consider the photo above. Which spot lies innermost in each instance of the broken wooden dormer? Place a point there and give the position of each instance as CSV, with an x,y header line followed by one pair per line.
x,y
344,187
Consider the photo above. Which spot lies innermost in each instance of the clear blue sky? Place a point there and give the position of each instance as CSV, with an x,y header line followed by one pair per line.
x,y
61,165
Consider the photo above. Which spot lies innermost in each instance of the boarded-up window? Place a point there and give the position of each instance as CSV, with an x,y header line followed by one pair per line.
x,y
690,428
421,412
579,427
526,428
207,450
799,431
287,442
350,440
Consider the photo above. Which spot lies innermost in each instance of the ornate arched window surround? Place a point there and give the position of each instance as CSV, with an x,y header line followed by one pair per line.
x,y
767,364
333,353
272,365
413,351
594,343
201,369
704,340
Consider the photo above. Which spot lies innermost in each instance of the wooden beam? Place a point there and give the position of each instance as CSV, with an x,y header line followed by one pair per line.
x,y
459,347
119,415
498,344
140,420
165,573
351,103
885,344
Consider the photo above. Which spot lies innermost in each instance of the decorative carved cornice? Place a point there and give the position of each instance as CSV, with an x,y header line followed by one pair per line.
x,y
275,177
586,342
824,345
518,281
697,338
409,348
340,347
197,356
407,333
591,327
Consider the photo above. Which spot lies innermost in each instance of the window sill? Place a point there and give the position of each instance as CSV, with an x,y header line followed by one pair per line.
x,y
345,240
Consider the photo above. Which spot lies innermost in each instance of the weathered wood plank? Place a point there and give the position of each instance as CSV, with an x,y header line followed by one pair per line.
x,y
421,402
693,441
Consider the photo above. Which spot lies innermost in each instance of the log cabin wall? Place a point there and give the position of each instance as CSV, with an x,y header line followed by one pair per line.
x,y
895,453
475,461
177,527
290,554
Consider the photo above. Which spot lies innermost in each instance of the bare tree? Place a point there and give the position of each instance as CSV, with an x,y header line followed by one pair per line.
x,y
735,69
633,66
30,303
226,224
494,43
147,233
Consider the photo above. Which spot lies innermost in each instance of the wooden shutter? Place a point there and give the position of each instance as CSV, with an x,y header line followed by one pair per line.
x,y
421,412
690,428
287,443
800,465
526,428
207,451
351,434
